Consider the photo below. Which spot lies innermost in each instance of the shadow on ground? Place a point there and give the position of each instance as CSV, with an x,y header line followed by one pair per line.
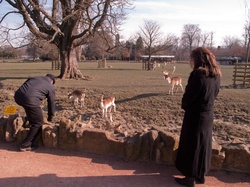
x,y
95,170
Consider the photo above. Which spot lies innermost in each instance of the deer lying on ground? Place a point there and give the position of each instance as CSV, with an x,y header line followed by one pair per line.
x,y
173,81
106,106
77,96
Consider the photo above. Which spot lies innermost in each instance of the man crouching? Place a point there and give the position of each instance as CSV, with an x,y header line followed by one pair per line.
x,y
30,96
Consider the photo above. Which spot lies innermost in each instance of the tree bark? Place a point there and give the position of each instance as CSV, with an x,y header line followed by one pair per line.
x,y
78,53
69,66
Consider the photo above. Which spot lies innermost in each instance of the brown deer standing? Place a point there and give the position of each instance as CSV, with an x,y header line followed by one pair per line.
x,y
77,95
106,104
173,81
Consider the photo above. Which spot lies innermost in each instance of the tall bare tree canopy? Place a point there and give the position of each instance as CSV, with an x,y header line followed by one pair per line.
x,y
68,24
191,36
153,38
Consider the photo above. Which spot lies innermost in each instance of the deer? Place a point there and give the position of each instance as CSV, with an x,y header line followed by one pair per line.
x,y
106,104
173,81
77,95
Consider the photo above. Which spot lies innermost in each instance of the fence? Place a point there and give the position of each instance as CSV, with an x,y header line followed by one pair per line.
x,y
241,73
55,64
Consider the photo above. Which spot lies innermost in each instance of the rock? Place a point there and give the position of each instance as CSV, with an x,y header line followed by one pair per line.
x,y
100,142
3,124
132,147
168,144
14,124
218,156
237,158
67,134
117,129
78,137
50,135
21,135
147,152
17,125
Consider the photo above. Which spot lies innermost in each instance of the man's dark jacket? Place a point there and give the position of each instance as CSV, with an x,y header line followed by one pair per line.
x,y
34,90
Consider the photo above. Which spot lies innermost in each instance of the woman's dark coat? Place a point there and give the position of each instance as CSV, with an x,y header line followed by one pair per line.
x,y
195,146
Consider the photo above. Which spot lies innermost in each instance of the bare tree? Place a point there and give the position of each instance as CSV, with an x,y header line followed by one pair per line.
x,y
138,48
205,39
233,46
211,39
100,45
153,38
231,41
247,32
191,36
68,24
247,42
33,49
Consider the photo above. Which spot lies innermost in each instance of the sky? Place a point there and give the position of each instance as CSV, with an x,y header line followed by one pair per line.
x,y
223,17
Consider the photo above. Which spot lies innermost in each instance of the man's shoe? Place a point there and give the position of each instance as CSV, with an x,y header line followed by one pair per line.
x,y
187,181
25,148
29,148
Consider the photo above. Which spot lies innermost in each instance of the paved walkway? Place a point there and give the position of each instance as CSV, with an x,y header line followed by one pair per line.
x,y
48,167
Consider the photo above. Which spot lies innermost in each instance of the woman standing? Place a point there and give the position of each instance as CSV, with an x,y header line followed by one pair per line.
x,y
195,146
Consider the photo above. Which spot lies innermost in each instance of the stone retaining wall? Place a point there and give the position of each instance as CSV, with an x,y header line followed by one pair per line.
x,y
156,146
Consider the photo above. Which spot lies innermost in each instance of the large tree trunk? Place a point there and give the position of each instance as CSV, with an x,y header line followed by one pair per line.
x,y
69,65
149,61
78,53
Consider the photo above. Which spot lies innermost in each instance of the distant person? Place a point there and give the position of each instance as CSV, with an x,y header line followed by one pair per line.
x,y
30,96
195,146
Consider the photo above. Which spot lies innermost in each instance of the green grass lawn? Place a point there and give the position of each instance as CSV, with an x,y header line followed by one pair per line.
x,y
141,96
123,75
127,80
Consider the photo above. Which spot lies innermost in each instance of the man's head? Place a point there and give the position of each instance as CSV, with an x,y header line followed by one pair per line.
x,y
51,77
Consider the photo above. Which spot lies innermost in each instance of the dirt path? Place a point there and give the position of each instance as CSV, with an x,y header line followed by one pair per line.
x,y
53,167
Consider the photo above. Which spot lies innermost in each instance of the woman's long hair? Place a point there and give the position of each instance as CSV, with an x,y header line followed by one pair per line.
x,y
204,60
